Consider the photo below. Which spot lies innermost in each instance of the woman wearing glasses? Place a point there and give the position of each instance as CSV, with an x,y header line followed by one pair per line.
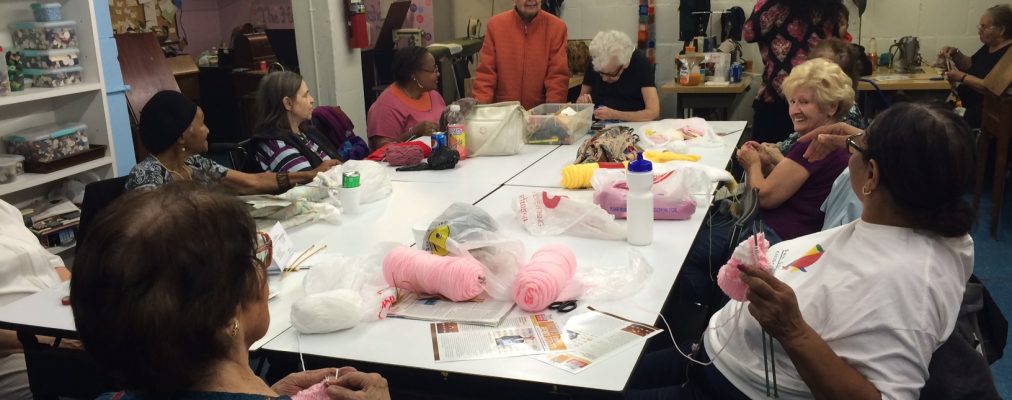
x,y
995,31
857,311
619,80
285,137
169,293
411,106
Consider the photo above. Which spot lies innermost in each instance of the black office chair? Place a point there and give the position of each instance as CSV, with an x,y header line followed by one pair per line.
x,y
98,195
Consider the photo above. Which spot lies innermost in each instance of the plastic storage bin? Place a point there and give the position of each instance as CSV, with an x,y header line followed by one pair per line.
x,y
45,35
50,59
8,170
47,12
550,124
51,78
49,142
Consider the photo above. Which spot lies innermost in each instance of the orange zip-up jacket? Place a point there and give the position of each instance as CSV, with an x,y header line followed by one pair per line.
x,y
523,62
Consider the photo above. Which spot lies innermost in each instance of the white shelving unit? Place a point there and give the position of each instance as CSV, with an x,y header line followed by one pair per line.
x,y
84,102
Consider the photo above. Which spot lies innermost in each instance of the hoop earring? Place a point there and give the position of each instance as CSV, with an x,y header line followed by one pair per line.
x,y
235,327
865,191
418,83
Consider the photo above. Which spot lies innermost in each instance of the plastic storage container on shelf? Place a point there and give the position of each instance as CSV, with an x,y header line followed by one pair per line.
x,y
557,123
50,59
51,78
47,12
11,165
49,142
44,35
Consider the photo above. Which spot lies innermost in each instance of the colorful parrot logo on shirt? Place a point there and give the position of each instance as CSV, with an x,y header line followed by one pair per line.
x,y
806,260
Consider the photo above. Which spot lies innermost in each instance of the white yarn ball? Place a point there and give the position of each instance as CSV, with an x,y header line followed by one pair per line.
x,y
327,311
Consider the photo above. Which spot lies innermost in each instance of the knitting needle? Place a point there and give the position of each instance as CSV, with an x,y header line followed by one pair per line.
x,y
302,258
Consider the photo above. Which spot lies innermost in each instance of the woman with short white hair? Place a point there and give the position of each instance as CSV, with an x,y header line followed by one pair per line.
x,y
619,80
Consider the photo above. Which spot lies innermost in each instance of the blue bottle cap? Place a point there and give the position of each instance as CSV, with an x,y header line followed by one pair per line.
x,y
640,165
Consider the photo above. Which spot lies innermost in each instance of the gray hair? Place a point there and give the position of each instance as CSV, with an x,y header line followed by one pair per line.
x,y
610,46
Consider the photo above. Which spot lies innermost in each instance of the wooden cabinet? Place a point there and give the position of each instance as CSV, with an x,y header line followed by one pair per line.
x,y
996,123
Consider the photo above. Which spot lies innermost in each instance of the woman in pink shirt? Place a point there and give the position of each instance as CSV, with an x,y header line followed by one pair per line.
x,y
411,106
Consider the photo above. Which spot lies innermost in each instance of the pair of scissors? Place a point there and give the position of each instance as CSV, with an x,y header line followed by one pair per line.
x,y
563,306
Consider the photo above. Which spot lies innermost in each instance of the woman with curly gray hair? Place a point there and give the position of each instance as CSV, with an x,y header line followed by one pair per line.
x,y
619,80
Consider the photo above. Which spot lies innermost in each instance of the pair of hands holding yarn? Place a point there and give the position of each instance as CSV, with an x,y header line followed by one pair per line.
x,y
774,304
350,384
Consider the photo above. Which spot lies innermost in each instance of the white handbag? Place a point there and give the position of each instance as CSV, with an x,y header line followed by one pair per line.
x,y
495,129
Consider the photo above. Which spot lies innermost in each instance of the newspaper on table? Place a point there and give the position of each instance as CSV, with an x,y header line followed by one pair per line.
x,y
484,312
593,336
516,336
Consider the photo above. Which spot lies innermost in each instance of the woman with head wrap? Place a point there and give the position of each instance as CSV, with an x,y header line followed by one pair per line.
x,y
172,130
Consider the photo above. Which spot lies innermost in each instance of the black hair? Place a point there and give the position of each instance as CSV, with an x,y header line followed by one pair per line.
x,y
1001,15
406,61
271,112
157,282
925,155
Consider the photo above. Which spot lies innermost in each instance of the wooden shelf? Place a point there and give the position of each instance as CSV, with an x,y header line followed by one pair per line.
x,y
60,249
29,180
33,94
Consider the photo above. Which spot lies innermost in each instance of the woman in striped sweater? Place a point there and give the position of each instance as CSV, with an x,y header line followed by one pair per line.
x,y
285,138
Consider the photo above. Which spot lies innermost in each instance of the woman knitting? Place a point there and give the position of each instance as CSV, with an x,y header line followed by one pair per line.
x,y
169,293
856,311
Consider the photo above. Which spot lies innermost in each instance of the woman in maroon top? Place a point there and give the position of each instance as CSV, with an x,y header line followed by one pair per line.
x,y
792,192
785,31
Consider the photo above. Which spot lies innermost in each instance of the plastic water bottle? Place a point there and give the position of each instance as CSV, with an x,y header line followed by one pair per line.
x,y
455,130
640,202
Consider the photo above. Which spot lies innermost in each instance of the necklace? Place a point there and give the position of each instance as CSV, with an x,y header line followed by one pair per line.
x,y
189,176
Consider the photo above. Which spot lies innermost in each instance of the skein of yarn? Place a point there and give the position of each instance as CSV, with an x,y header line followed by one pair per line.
x,y
327,311
540,282
456,278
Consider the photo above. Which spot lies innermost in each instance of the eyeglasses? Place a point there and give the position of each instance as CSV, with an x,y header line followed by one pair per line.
x,y
852,145
435,69
264,254
981,28
613,74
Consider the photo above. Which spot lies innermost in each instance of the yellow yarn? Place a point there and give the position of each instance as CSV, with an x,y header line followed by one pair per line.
x,y
665,156
577,176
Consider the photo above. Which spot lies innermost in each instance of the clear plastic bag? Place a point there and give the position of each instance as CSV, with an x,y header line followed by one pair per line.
x,y
464,230
374,178
673,192
676,134
342,291
544,215
603,283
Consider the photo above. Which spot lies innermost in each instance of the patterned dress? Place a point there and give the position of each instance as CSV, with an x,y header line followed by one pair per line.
x,y
150,173
784,41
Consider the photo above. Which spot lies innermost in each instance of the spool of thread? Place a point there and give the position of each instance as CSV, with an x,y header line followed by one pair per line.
x,y
455,278
577,176
540,282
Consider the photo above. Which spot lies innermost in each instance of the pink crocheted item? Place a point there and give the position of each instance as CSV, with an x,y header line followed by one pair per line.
x,y
751,252
399,156
315,392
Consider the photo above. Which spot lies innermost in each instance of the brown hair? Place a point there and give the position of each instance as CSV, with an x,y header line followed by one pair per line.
x,y
847,56
157,282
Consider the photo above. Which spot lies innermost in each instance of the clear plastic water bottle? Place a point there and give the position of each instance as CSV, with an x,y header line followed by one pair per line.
x,y
456,137
640,202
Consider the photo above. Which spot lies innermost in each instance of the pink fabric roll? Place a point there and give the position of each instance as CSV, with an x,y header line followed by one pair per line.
x,y
540,282
456,278
751,252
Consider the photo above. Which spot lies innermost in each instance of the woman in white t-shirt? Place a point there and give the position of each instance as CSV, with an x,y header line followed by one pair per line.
x,y
25,268
858,310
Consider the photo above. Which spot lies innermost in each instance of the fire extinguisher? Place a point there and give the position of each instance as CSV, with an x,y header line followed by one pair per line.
x,y
358,35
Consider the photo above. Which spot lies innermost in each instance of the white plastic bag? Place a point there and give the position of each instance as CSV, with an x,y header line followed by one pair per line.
x,y
343,291
676,135
544,215
374,178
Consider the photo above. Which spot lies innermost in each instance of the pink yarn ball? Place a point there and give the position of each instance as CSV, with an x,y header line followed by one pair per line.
x,y
540,282
456,278
729,277
315,392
